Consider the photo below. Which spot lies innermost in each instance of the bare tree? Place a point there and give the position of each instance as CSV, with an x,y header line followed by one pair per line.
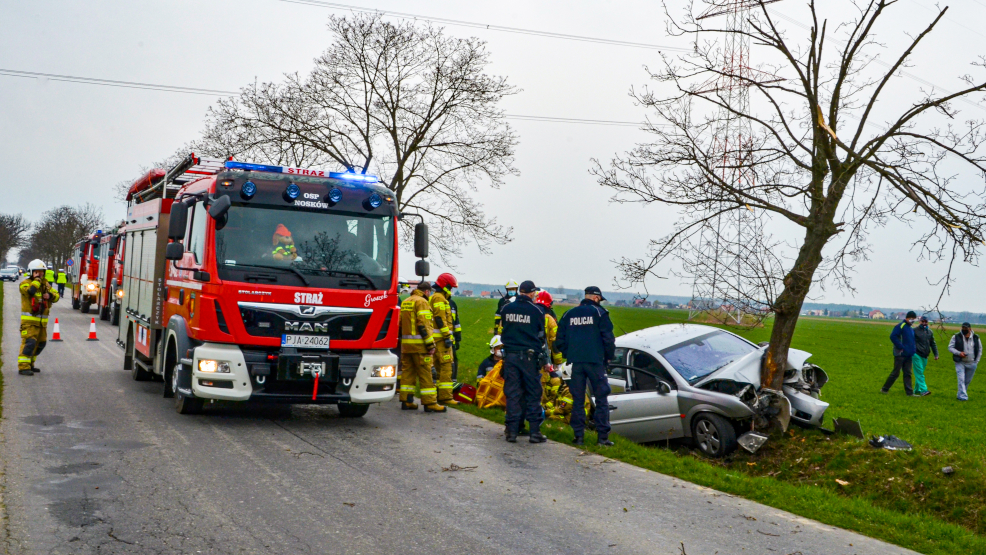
x,y
829,159
59,229
399,100
13,233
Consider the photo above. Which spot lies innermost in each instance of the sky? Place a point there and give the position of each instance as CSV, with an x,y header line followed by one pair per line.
x,y
69,143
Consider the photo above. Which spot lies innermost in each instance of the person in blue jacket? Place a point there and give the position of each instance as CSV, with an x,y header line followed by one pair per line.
x,y
585,339
904,348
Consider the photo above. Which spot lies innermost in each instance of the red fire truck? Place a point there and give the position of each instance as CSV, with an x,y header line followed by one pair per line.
x,y
85,285
264,283
108,286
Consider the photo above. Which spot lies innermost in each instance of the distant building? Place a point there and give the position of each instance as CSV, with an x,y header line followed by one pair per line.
x,y
877,315
484,294
466,292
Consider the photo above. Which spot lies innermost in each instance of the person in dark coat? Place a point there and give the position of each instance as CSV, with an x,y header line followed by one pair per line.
x,y
903,339
924,346
523,348
585,339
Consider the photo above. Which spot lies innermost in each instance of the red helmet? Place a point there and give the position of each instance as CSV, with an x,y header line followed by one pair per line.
x,y
544,298
446,281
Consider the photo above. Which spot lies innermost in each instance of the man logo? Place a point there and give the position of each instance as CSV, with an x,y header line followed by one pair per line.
x,y
306,326
307,310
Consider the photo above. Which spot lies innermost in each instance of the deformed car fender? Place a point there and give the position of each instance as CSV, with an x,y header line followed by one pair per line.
x,y
692,403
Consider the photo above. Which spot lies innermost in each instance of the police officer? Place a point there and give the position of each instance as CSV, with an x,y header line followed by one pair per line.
x,y
61,281
523,347
585,338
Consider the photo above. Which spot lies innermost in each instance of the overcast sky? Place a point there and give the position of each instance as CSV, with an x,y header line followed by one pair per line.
x,y
69,143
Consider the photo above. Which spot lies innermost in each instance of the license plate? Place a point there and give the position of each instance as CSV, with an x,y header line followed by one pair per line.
x,y
305,341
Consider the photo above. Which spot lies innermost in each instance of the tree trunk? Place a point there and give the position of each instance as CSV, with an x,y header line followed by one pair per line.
x,y
788,307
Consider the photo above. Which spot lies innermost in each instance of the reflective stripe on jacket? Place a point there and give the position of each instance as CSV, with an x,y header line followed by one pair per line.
x,y
442,314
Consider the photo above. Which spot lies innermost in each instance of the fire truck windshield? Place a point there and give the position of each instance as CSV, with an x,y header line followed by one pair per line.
x,y
337,250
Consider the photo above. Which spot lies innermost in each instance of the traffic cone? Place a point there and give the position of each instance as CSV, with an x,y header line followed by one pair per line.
x,y
92,331
55,333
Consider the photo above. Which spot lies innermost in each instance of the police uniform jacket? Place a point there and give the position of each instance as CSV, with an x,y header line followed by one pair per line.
x,y
585,334
523,326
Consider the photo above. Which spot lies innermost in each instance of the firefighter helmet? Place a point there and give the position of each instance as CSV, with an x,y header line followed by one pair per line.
x,y
446,281
544,298
511,284
36,264
495,342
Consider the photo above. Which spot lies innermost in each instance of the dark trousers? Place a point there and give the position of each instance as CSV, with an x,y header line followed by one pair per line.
x,y
61,289
522,387
901,363
595,375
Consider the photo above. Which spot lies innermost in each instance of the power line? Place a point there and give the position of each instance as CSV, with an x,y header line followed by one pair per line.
x,y
113,83
490,27
194,90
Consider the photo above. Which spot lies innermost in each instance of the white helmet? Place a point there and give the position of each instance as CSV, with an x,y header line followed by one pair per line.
x,y
36,264
495,342
511,284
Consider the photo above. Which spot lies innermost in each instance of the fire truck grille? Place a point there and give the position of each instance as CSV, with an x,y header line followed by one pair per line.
x,y
272,323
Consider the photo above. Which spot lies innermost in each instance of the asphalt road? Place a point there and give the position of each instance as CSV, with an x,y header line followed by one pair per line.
x,y
93,462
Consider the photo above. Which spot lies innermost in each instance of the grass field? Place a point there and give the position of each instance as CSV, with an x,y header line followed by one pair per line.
x,y
903,498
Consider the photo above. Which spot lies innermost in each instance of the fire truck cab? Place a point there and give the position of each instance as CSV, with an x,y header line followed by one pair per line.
x,y
85,283
108,286
263,283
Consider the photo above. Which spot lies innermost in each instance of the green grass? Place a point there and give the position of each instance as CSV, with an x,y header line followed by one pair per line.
x,y
903,498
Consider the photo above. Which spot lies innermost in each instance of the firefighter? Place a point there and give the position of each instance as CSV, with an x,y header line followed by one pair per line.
x,y
444,337
457,337
511,295
61,280
544,302
417,351
37,297
523,347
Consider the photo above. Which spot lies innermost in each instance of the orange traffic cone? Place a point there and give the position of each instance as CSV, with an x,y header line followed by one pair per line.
x,y
55,333
92,331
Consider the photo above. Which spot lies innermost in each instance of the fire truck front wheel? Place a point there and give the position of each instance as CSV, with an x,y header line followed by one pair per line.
x,y
352,410
184,404
104,313
75,304
84,307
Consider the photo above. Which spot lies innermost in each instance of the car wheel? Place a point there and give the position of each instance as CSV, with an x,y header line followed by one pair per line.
x,y
352,410
713,435
184,404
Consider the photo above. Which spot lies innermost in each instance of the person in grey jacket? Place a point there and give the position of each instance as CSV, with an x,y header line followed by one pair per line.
x,y
966,351
924,346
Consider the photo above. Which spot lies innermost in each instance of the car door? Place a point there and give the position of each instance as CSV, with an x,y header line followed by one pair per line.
x,y
641,412
616,372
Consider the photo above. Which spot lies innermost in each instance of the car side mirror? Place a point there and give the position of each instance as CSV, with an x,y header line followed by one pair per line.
x,y
219,207
174,251
421,241
663,388
177,221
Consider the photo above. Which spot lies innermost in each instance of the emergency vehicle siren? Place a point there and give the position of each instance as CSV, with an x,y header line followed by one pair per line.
x,y
92,331
56,334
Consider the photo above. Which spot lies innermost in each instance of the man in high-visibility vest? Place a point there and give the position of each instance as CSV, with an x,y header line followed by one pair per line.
x,y
49,275
61,280
443,334
417,351
37,297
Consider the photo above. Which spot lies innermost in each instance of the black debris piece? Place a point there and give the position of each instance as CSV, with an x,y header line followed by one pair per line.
x,y
891,443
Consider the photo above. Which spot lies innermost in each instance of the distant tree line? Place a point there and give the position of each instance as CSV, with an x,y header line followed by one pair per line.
x,y
50,238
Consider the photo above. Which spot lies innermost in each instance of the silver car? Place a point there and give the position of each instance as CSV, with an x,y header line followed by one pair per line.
x,y
701,382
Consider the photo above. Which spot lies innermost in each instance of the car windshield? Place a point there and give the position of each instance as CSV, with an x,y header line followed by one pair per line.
x,y
698,357
299,247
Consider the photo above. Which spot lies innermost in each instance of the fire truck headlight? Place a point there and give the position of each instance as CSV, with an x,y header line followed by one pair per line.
x,y
119,293
214,366
90,286
383,372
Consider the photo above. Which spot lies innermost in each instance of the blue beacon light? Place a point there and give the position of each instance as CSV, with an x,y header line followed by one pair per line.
x,y
292,191
374,201
248,190
335,195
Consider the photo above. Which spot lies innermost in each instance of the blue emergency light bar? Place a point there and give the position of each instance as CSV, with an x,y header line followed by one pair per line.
x,y
348,176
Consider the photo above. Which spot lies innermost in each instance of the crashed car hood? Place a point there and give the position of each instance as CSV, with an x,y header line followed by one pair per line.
x,y
747,369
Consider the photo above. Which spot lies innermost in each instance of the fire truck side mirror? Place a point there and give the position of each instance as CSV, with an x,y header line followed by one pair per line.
x,y
421,241
114,242
219,207
422,268
174,251
178,221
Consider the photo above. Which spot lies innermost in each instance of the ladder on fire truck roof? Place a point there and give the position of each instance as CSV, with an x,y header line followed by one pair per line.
x,y
188,169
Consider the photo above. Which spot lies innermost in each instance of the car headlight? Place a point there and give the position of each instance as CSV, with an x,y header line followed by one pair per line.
x,y
214,366
383,372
